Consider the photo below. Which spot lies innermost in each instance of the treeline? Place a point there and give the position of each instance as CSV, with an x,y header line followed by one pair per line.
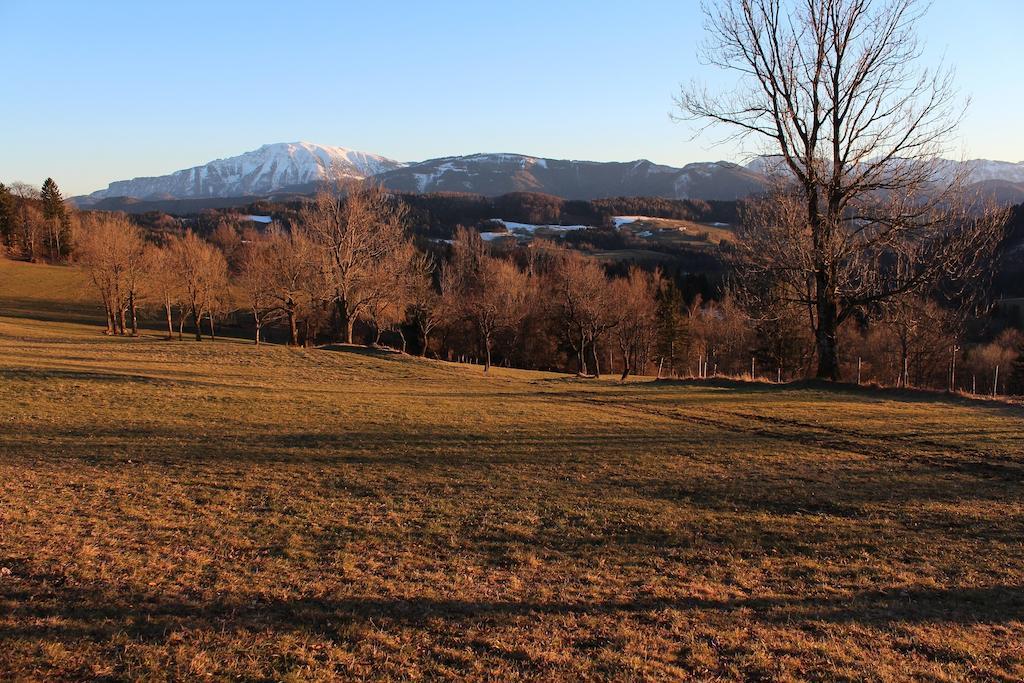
x,y
35,224
440,214
344,266
348,270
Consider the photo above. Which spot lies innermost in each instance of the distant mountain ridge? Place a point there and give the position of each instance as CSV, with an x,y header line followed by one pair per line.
x,y
497,174
271,168
297,168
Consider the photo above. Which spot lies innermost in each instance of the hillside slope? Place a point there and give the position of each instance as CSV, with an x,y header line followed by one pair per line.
x,y
187,510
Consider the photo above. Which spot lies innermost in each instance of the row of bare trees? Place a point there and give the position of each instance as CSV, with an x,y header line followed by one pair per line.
x,y
348,260
187,274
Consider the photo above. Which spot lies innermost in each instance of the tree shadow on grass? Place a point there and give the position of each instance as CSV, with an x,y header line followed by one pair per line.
x,y
46,607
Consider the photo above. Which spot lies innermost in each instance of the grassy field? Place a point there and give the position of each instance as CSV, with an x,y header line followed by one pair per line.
x,y
677,233
176,510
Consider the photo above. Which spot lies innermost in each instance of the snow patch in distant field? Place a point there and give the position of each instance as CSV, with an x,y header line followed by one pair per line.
x,y
491,236
530,228
258,219
626,220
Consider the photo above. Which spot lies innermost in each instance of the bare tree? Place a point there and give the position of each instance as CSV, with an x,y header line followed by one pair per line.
x,y
490,293
162,282
256,280
389,290
426,309
30,225
358,228
585,307
203,272
112,252
296,277
498,302
634,298
857,130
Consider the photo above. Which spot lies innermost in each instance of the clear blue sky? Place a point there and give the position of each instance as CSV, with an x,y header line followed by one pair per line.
x,y
99,91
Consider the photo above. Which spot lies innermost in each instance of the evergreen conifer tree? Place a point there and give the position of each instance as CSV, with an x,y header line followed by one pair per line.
x,y
6,216
56,215
673,336
1016,384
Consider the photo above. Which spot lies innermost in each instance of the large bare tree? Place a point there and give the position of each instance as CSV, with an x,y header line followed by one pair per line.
x,y
633,297
112,250
836,93
203,274
585,306
358,228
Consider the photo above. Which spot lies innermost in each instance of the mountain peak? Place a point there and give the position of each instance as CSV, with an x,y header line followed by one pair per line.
x,y
270,168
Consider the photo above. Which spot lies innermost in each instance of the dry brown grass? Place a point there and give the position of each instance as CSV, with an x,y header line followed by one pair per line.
x,y
175,510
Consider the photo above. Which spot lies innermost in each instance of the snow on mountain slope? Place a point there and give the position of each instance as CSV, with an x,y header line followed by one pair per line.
x,y
497,174
299,166
268,169
980,170
976,170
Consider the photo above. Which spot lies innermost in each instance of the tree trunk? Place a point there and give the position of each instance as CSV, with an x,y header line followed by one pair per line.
x,y
345,321
210,319
401,335
121,320
293,329
826,337
581,360
487,355
625,366
197,318
111,322
426,343
133,315
258,326
593,357
170,322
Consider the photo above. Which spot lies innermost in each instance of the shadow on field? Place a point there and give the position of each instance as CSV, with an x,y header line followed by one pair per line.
x,y
449,446
37,375
51,311
840,388
45,607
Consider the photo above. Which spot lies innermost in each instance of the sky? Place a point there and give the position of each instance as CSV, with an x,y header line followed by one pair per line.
x,y
99,91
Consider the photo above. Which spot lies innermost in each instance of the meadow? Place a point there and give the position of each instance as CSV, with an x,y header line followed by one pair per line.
x,y
179,510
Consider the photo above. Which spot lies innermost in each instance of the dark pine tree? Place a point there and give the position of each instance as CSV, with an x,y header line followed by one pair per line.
x,y
6,216
673,335
57,220
1016,384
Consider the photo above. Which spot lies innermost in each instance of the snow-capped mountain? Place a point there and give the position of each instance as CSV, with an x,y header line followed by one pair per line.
x,y
299,166
981,170
974,170
271,168
496,174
